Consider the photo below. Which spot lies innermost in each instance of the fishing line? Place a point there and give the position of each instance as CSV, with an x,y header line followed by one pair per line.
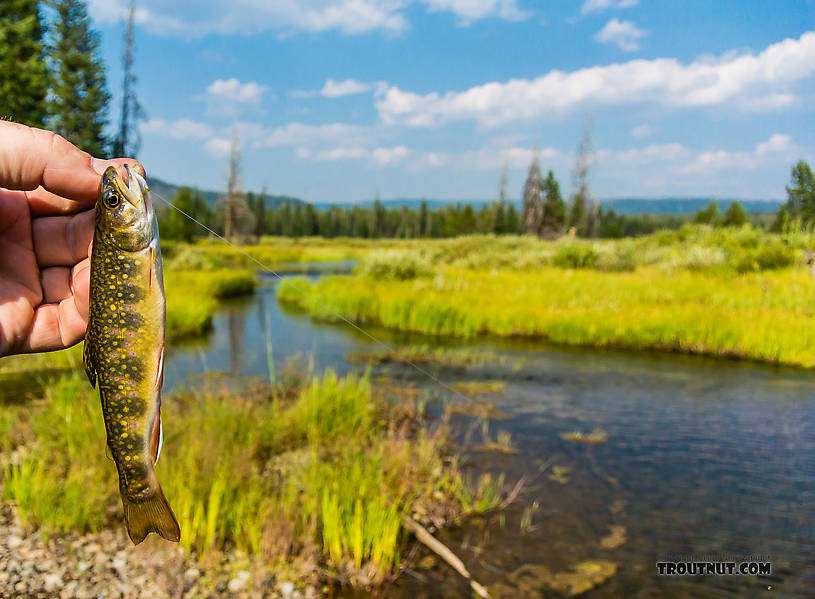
x,y
334,313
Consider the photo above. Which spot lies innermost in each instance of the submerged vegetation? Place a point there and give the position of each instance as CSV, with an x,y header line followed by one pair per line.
x,y
304,473
723,292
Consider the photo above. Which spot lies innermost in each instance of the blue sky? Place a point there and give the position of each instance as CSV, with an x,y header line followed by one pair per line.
x,y
336,100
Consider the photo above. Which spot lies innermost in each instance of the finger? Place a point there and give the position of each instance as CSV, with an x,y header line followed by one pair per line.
x,y
56,284
30,158
62,240
56,326
44,203
80,285
61,323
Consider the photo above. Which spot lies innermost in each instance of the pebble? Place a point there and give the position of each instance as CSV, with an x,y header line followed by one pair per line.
x,y
239,583
286,589
192,574
52,582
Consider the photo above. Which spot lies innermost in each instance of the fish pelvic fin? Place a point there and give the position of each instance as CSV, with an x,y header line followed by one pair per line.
x,y
87,359
151,515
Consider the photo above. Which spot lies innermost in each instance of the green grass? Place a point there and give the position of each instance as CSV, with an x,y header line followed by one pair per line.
x,y
764,316
271,251
192,297
313,472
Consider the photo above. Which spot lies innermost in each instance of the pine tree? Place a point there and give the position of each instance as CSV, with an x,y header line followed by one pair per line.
x,y
79,95
532,211
180,227
582,212
23,75
499,221
260,215
424,224
709,215
513,226
735,215
554,208
801,193
127,141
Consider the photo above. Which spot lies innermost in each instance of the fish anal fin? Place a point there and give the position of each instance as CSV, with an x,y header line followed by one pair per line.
x,y
87,359
150,515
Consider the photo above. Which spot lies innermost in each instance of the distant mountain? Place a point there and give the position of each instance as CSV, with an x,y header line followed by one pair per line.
x,y
167,190
683,205
620,205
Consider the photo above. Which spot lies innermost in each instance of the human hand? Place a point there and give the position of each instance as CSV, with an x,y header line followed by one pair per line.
x,y
47,192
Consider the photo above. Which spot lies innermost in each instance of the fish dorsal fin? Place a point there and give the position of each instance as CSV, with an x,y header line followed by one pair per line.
x,y
157,438
87,358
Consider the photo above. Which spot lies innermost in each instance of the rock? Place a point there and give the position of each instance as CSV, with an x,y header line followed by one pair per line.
x,y
119,564
52,582
192,574
286,589
13,541
239,583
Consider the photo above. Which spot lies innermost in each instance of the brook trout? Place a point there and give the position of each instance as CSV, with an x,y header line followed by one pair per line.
x,y
124,346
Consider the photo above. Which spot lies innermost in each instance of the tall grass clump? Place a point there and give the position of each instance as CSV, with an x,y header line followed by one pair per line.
x,y
60,479
318,473
400,265
192,297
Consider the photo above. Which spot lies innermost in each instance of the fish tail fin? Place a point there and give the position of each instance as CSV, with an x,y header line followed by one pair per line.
x,y
151,515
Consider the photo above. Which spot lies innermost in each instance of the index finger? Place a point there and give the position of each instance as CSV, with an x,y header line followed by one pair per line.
x,y
30,158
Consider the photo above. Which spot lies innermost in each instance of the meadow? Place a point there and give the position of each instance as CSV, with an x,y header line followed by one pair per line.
x,y
735,293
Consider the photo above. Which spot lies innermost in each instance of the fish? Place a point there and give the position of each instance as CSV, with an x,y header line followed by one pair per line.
x,y
124,346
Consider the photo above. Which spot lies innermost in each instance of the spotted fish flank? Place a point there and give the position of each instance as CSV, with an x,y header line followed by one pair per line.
x,y
124,346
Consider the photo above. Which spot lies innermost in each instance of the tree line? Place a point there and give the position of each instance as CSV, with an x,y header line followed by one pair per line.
x,y
52,75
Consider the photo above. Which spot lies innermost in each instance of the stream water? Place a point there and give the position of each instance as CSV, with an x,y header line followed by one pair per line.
x,y
707,458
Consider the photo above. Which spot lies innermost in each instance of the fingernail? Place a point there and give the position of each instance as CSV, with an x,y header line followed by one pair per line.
x,y
100,165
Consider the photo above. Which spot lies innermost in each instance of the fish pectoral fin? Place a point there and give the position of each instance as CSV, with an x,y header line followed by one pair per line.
x,y
87,359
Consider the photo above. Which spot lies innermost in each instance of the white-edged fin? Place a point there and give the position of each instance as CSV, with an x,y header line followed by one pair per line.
x,y
159,370
157,439
160,440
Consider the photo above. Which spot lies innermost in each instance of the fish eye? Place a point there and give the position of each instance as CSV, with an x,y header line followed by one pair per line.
x,y
112,200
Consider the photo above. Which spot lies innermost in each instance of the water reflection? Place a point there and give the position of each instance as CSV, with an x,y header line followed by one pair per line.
x,y
702,456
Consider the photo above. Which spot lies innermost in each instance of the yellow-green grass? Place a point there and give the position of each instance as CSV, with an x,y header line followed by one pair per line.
x,y
270,251
315,473
192,297
764,316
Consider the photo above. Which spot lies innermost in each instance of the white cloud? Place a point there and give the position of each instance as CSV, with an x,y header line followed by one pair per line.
x,y
591,6
624,34
490,158
350,17
738,80
674,159
380,156
336,89
186,129
388,156
307,136
233,91
471,10
218,147
776,143
642,131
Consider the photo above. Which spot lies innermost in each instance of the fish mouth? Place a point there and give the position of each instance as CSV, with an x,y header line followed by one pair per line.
x,y
132,186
